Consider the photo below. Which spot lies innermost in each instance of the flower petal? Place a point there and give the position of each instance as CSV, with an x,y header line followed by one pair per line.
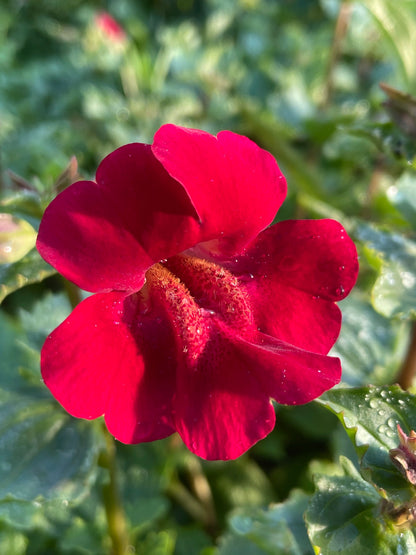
x,y
291,376
235,186
315,256
294,316
107,358
103,236
221,409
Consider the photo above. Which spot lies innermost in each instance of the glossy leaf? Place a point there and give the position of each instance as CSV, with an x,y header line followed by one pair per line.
x,y
394,292
370,416
279,529
371,347
343,517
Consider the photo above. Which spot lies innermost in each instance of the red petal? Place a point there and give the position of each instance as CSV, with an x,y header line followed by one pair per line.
x,y
235,186
221,409
107,358
295,317
103,236
315,256
289,375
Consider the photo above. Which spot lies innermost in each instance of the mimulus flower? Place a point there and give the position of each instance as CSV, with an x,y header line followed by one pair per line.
x,y
202,314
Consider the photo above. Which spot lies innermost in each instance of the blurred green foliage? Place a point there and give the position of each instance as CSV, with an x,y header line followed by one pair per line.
x,y
301,78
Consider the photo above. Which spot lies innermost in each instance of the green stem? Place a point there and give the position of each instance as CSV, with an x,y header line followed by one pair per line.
x,y
116,520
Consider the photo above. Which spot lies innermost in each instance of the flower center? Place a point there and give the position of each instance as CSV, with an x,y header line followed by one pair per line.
x,y
194,293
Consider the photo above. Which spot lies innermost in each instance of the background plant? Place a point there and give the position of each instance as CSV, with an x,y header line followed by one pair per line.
x,y
302,79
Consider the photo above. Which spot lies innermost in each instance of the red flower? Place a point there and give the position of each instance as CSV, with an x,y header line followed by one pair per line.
x,y
109,26
201,315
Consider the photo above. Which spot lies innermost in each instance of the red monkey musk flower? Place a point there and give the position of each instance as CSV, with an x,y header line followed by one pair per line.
x,y
201,315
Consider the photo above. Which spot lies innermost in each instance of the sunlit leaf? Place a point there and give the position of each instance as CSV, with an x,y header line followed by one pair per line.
x,y
17,238
278,529
370,416
397,23
29,269
344,517
371,347
394,292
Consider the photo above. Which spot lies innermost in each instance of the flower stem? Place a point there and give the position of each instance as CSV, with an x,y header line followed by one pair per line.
x,y
116,520
408,370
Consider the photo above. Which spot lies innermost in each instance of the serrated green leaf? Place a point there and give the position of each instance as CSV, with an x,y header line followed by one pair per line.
x,y
396,21
371,347
279,529
370,416
45,452
29,269
343,517
394,292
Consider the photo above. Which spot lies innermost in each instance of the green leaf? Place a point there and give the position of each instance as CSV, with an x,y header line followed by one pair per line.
x,y
45,452
343,517
403,195
370,416
279,529
394,292
396,20
12,542
17,238
29,269
371,348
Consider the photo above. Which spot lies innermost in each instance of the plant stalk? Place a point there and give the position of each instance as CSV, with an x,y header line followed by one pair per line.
x,y
116,519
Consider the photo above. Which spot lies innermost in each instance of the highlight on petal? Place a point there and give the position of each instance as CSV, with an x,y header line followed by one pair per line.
x,y
107,359
104,235
235,186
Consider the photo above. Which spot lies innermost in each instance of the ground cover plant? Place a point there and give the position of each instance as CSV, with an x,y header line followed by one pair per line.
x,y
191,194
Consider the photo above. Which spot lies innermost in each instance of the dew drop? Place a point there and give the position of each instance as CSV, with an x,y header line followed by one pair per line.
x,y
391,422
373,403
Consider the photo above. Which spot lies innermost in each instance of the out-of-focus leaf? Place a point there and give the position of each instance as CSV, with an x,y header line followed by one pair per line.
x,y
397,23
29,269
23,204
403,195
394,292
370,416
158,543
279,529
371,348
17,238
402,109
12,542
343,517
45,452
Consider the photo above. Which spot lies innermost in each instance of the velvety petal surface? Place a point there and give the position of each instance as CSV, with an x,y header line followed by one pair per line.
x,y
297,269
235,186
291,376
221,409
294,316
107,358
104,235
